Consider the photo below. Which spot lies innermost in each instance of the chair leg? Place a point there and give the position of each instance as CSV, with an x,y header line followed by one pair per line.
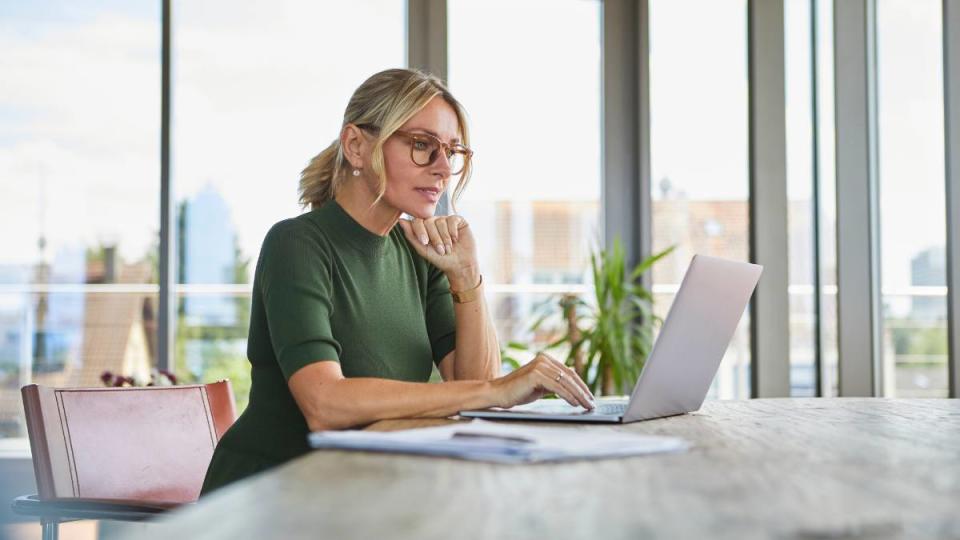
x,y
51,528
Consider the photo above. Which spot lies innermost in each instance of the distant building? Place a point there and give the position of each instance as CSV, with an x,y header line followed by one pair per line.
x,y
929,269
717,228
208,255
532,243
69,339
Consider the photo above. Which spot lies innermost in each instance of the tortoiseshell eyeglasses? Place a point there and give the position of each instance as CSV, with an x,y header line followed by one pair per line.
x,y
425,149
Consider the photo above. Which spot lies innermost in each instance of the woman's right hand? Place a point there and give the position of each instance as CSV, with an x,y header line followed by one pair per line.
x,y
540,376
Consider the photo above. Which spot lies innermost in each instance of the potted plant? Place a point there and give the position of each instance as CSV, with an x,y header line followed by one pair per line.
x,y
607,339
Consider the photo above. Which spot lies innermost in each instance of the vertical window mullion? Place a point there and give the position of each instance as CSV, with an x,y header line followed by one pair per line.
x,y
858,294
427,50
621,188
768,199
815,199
166,323
951,95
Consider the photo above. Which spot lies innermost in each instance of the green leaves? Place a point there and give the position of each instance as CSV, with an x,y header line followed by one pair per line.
x,y
507,358
610,337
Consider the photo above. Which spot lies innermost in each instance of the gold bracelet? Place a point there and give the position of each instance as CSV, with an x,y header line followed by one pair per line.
x,y
462,297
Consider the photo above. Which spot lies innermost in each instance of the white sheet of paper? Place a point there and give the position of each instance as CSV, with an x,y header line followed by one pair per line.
x,y
501,442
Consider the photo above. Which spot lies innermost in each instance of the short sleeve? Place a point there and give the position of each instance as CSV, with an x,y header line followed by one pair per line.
x,y
296,275
441,320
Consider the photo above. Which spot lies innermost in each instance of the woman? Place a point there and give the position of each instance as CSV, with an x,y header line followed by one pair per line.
x,y
351,304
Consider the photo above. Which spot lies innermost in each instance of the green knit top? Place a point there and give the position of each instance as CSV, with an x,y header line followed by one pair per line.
x,y
326,288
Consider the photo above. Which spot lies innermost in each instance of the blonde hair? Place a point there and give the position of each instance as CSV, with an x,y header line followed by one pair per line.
x,y
387,100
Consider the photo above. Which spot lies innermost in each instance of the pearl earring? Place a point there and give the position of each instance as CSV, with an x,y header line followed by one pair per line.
x,y
356,172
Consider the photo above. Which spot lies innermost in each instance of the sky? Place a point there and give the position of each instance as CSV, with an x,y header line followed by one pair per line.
x,y
259,89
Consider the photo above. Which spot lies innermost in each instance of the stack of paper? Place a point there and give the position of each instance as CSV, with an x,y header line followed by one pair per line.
x,y
503,443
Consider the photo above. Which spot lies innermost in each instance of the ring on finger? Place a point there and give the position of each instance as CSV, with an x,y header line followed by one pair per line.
x,y
560,376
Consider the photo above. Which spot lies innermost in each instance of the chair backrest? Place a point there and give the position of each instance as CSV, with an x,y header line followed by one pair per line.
x,y
148,445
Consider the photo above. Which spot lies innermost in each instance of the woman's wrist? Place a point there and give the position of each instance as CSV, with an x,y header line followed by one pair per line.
x,y
464,279
476,394
491,394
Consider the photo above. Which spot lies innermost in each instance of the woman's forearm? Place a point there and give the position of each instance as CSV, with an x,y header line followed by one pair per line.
x,y
477,349
352,402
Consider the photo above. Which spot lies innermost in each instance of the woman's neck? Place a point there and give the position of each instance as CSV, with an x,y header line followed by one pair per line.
x,y
357,200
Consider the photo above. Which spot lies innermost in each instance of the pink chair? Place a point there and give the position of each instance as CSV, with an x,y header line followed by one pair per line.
x,y
120,453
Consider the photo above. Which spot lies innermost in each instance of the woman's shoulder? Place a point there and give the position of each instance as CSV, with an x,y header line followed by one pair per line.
x,y
296,233
307,224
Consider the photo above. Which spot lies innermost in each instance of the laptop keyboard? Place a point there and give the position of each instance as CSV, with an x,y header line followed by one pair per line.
x,y
558,406
611,408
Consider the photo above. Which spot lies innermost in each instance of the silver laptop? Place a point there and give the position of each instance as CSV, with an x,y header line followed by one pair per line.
x,y
686,355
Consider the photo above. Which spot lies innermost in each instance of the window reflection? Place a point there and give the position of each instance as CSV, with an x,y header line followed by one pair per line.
x,y
258,92
698,136
912,197
535,214
79,125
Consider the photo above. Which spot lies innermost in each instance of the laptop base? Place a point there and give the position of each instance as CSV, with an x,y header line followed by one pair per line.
x,y
554,410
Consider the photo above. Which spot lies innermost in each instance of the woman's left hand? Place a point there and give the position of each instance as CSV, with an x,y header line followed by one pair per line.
x,y
445,241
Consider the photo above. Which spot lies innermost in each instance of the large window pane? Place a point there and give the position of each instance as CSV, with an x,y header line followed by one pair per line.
x,y
79,169
698,103
827,219
912,227
810,165
800,210
533,202
257,93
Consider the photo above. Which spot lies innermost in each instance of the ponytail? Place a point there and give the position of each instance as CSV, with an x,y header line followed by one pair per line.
x,y
320,180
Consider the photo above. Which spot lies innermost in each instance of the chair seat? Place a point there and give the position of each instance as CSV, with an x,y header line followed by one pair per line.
x,y
63,510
